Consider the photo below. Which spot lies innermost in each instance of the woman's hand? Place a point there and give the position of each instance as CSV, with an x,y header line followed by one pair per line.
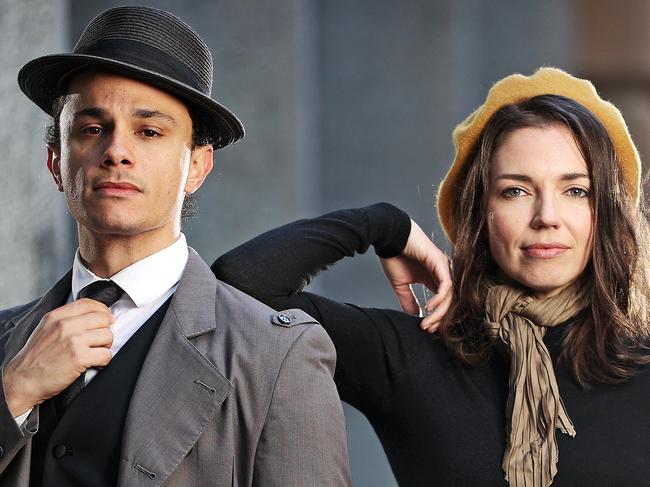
x,y
424,263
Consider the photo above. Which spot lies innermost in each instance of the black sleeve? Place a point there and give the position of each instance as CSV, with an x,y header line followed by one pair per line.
x,y
276,266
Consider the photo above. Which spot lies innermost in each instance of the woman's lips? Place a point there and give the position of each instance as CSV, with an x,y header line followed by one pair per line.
x,y
108,188
545,250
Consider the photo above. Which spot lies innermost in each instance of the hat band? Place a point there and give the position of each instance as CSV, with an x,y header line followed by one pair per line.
x,y
146,57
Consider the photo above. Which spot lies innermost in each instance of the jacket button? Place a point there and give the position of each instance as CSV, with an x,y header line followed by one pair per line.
x,y
59,451
284,319
2,451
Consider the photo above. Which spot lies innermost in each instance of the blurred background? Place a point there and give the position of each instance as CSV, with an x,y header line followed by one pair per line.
x,y
345,103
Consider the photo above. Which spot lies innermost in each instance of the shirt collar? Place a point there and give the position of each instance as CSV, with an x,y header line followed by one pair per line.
x,y
144,280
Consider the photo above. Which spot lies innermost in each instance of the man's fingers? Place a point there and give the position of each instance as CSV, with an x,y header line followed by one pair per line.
x,y
91,349
73,325
76,308
99,357
99,337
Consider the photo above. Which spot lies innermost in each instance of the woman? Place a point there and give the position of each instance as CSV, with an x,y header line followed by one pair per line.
x,y
548,330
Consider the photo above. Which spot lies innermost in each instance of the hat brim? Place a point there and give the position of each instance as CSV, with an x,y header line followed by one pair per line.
x,y
39,80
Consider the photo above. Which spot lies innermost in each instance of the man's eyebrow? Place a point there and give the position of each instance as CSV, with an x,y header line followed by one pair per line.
x,y
147,113
98,112
90,112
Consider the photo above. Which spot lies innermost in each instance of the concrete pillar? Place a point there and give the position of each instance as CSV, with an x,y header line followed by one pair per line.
x,y
613,53
34,228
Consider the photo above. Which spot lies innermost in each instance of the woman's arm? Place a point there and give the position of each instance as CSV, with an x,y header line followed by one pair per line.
x,y
276,266
283,261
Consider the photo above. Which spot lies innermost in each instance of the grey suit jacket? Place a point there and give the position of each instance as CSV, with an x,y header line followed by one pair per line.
x,y
229,395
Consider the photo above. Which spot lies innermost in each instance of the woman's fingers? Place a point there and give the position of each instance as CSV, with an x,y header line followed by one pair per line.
x,y
407,299
437,307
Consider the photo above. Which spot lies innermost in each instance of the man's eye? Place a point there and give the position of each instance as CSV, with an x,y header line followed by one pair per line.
x,y
92,130
150,133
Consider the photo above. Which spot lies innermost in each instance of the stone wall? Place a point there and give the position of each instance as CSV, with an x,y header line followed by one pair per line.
x,y
34,227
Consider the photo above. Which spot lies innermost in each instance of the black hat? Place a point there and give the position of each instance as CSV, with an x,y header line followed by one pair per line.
x,y
143,43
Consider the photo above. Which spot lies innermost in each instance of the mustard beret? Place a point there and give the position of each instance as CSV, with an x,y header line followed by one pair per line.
x,y
517,88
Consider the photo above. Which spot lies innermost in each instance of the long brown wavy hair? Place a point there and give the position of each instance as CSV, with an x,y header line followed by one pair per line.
x,y
610,342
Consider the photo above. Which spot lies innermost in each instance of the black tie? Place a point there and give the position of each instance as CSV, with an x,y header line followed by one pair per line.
x,y
106,292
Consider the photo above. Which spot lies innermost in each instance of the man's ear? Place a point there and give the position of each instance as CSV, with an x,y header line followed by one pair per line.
x,y
200,166
54,165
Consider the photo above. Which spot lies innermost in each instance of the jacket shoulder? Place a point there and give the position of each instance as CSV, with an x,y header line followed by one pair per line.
x,y
262,334
244,309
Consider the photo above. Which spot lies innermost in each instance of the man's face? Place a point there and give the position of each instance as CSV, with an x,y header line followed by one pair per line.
x,y
125,159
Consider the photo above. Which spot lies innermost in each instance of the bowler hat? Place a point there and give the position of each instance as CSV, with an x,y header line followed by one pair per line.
x,y
147,44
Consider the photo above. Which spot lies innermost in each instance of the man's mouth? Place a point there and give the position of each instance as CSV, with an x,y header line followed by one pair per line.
x,y
116,188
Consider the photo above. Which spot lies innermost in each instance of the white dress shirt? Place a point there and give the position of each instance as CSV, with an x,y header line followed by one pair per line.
x,y
147,284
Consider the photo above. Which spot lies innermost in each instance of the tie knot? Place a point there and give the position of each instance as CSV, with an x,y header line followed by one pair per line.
x,y
106,292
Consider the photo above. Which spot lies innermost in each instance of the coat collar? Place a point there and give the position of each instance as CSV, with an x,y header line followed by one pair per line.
x,y
179,390
26,324
196,293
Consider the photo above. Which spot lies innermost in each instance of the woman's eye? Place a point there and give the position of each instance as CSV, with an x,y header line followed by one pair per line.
x,y
578,192
513,192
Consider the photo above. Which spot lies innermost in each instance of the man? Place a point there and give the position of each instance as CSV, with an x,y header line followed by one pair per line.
x,y
139,367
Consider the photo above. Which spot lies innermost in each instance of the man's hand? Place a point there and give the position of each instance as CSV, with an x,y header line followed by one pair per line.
x,y
421,262
66,342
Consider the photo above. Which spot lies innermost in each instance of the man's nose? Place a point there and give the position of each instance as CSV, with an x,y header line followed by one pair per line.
x,y
119,149
547,212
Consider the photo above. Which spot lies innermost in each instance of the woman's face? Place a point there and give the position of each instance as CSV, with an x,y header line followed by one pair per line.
x,y
539,215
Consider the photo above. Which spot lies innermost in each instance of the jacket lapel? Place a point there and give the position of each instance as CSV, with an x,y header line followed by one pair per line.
x,y
179,390
24,326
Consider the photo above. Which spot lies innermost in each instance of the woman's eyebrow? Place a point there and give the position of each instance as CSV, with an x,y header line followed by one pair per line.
x,y
574,175
516,177
522,177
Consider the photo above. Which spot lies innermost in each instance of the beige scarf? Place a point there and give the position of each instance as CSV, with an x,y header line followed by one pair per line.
x,y
534,405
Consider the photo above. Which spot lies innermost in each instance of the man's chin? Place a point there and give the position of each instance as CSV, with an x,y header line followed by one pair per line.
x,y
117,228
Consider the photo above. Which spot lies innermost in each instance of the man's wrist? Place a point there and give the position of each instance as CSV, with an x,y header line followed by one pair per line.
x,y
20,420
16,404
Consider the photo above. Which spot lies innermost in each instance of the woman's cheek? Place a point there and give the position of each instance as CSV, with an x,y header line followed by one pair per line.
x,y
500,238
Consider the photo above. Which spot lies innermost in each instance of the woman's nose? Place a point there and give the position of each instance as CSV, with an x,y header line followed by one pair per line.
x,y
547,212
